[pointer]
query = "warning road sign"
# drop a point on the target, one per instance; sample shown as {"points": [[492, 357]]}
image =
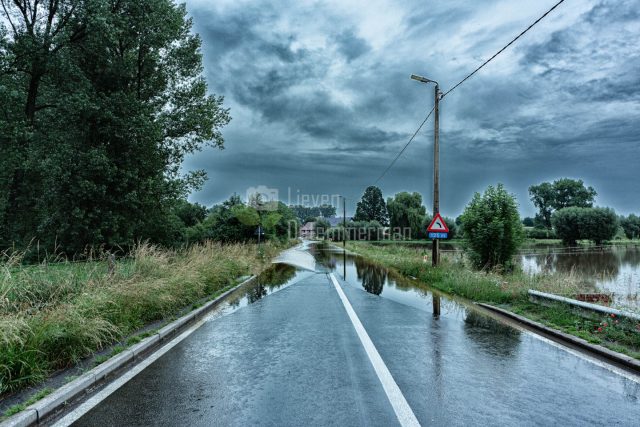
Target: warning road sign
{"points": [[438, 225]]}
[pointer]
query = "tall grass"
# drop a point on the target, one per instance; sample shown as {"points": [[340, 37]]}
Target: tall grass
{"points": [[456, 277], [52, 315]]}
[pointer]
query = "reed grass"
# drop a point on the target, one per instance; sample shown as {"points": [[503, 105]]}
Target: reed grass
{"points": [[54, 314]]}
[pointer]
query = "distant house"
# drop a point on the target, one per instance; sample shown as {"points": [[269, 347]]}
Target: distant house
{"points": [[308, 231]]}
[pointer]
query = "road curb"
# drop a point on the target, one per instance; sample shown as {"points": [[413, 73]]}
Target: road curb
{"points": [[619, 358], [35, 413]]}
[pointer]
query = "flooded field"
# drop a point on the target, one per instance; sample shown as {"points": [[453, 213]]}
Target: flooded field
{"points": [[613, 270]]}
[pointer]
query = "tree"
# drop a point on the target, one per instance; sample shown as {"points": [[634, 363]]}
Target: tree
{"points": [[572, 192], [372, 207], [406, 212], [542, 196], [306, 213], [631, 226], [105, 100], [596, 224], [528, 222], [322, 227], [492, 228], [562, 193], [566, 223]]}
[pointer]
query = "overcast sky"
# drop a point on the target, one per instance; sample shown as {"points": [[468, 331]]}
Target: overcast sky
{"points": [[321, 99]]}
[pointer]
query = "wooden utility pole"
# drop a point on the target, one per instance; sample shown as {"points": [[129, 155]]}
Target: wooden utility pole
{"points": [[435, 252], [344, 222]]}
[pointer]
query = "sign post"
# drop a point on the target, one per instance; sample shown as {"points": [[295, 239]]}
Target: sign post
{"points": [[437, 230]]}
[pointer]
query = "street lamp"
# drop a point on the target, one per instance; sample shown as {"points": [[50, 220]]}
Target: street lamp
{"points": [[435, 253]]}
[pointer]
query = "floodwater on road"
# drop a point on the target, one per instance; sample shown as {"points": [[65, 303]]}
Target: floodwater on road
{"points": [[284, 351]]}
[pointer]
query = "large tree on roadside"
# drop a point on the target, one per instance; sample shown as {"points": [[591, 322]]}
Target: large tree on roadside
{"points": [[562, 193], [372, 207], [120, 102]]}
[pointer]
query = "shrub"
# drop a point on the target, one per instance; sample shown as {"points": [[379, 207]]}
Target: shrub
{"points": [[492, 228], [596, 224], [540, 233], [631, 226]]}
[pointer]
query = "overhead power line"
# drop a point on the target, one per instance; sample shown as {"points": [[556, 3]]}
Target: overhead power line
{"points": [[404, 148], [504, 48]]}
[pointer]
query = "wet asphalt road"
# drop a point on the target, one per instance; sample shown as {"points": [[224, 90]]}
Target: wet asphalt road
{"points": [[292, 357]]}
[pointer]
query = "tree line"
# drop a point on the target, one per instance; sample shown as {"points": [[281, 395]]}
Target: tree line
{"points": [[102, 101], [566, 211]]}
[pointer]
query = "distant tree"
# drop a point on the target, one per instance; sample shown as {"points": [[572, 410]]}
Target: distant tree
{"points": [[631, 226], [543, 197], [566, 223], [322, 227], [190, 213], [562, 193], [364, 230], [406, 212], [572, 192], [372, 207], [453, 227], [596, 224], [528, 222], [492, 228], [305, 213], [327, 211]]}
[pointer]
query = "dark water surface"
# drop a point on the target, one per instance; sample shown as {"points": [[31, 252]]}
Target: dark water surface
{"points": [[614, 270]]}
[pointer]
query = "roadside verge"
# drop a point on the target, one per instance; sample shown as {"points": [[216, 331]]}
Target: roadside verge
{"points": [[75, 389], [625, 361]]}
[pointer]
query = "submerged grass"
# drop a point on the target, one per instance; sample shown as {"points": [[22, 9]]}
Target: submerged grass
{"points": [[52, 315], [509, 290]]}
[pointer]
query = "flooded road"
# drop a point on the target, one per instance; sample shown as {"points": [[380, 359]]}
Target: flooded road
{"points": [[285, 351]]}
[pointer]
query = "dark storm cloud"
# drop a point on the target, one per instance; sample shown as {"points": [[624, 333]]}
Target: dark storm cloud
{"points": [[350, 45], [322, 101]]}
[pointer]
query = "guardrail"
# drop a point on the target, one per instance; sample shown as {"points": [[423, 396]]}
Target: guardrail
{"points": [[584, 305]]}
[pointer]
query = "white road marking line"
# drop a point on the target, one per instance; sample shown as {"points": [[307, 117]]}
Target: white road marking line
{"points": [[400, 406], [85, 407]]}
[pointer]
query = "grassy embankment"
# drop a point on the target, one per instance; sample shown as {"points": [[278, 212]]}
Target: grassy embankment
{"points": [[53, 315], [508, 291]]}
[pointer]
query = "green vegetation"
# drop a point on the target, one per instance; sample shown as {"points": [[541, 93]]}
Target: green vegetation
{"points": [[310, 213], [233, 221], [406, 212], [508, 290], [372, 207], [562, 193], [53, 315], [492, 228], [621, 335], [631, 226], [101, 102], [596, 224], [33, 399]]}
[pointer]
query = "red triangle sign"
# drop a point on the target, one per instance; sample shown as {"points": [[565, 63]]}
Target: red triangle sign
{"points": [[438, 225]]}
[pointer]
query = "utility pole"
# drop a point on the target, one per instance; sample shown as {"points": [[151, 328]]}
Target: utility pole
{"points": [[344, 222], [435, 251]]}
